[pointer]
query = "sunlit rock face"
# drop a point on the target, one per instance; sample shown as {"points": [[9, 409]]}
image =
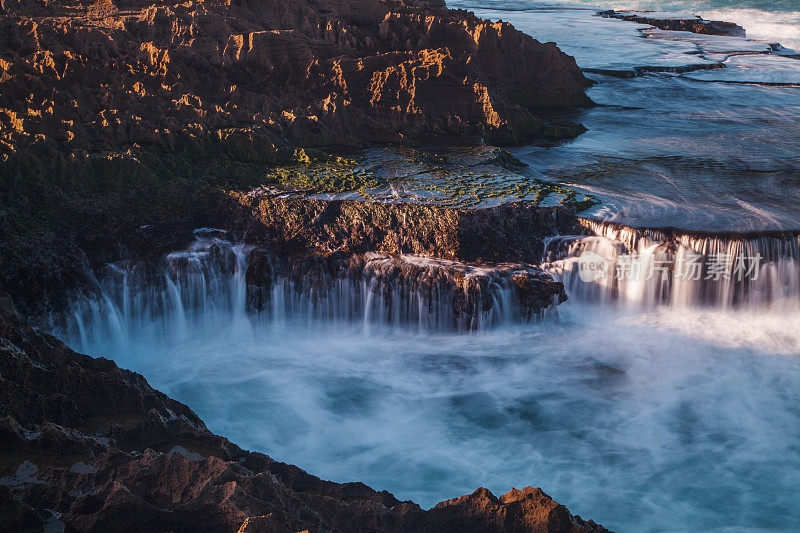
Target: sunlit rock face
{"points": [[244, 75], [508, 232]]}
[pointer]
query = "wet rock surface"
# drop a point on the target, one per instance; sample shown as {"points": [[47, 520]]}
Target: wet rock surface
{"points": [[449, 295], [678, 22], [508, 232], [89, 446]]}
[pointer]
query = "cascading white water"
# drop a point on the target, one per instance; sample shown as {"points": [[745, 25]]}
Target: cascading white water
{"points": [[646, 268], [205, 286], [654, 419]]}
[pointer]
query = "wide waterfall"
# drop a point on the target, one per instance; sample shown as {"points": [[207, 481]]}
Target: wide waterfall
{"points": [[643, 268], [216, 282], [360, 368]]}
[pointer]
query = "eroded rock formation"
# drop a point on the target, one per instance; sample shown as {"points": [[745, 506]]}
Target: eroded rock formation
{"points": [[508, 232], [441, 294], [104, 76], [120, 122], [119, 116], [90, 446]]}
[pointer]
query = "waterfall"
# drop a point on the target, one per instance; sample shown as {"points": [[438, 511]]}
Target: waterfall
{"points": [[215, 282], [643, 268]]}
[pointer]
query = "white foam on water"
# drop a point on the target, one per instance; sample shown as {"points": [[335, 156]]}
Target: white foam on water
{"points": [[663, 414], [649, 417], [643, 421], [772, 26]]}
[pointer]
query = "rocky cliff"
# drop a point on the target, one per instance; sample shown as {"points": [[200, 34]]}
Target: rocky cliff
{"points": [[122, 123], [118, 116], [81, 76]]}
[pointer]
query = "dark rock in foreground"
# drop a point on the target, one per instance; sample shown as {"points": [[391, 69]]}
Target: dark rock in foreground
{"points": [[93, 447], [691, 24]]}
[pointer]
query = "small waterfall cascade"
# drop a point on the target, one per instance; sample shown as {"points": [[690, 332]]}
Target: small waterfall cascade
{"points": [[215, 283], [644, 268]]}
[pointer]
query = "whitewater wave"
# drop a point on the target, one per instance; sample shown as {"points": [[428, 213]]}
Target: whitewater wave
{"points": [[781, 27], [771, 21]]}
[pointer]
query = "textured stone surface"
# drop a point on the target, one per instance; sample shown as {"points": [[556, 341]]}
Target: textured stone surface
{"points": [[120, 121], [508, 232], [464, 292], [102, 76], [95, 448]]}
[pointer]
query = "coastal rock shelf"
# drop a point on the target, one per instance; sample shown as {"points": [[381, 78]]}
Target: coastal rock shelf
{"points": [[314, 73], [643, 268], [292, 221], [678, 22], [214, 277], [118, 116], [507, 232]]}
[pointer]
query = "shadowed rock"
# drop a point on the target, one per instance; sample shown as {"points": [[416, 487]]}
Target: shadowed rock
{"points": [[406, 289]]}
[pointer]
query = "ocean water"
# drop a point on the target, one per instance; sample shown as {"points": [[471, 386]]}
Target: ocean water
{"points": [[643, 414], [690, 131], [774, 21], [664, 421]]}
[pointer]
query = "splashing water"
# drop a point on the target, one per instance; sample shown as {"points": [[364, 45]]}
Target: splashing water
{"points": [[648, 417], [205, 286], [642, 269]]}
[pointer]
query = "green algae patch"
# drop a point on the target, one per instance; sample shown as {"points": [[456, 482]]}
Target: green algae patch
{"points": [[337, 176], [456, 179]]}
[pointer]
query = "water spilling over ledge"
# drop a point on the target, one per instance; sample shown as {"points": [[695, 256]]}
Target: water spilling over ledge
{"points": [[335, 319], [275, 350], [215, 281], [643, 268]]}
